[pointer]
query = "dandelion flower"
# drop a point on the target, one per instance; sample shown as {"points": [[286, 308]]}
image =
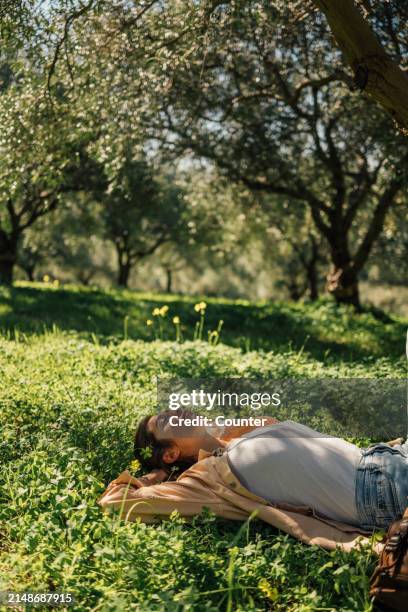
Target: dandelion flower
{"points": [[149, 322], [200, 307], [156, 312], [163, 310], [46, 278], [176, 320]]}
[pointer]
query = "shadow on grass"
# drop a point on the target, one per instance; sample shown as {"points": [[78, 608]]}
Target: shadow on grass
{"points": [[321, 329]]}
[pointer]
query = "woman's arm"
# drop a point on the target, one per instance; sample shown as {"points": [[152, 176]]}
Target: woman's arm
{"points": [[188, 496], [236, 431]]}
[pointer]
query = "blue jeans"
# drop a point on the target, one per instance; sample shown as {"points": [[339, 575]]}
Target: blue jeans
{"points": [[382, 485]]}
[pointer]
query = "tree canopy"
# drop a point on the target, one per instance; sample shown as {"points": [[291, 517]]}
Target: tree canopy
{"points": [[258, 91]]}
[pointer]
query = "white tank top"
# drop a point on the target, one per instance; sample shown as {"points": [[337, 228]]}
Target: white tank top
{"points": [[291, 463]]}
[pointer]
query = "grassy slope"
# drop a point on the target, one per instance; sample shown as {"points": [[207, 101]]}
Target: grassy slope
{"points": [[71, 390]]}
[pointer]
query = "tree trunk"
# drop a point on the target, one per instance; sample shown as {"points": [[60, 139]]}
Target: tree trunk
{"points": [[7, 263], [311, 270], [124, 266], [312, 279], [123, 275], [29, 270], [8, 257], [374, 72], [309, 265], [169, 280], [342, 283], [295, 291]]}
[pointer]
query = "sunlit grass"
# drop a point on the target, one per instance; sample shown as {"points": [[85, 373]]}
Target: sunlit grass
{"points": [[78, 370]]}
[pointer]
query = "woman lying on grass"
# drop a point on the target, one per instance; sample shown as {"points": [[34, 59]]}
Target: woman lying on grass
{"points": [[318, 488]]}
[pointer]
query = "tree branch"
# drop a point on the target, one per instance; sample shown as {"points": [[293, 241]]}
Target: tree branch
{"points": [[377, 222], [63, 40], [302, 194], [39, 211], [374, 71], [160, 240], [365, 182]]}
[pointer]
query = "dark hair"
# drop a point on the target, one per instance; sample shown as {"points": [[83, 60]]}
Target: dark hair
{"points": [[149, 451]]}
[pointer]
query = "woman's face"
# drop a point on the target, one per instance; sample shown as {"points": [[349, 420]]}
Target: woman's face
{"points": [[187, 439]]}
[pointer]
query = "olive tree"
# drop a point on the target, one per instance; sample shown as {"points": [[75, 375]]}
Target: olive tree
{"points": [[141, 212], [270, 106], [42, 159]]}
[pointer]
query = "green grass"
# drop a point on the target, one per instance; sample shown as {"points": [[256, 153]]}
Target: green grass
{"points": [[321, 328], [75, 378]]}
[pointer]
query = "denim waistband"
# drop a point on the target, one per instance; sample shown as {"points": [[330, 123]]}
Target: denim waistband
{"points": [[382, 485]]}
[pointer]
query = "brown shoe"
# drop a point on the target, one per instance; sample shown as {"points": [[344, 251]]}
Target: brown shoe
{"points": [[389, 582]]}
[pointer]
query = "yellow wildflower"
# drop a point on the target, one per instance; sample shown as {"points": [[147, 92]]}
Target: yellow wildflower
{"points": [[200, 306], [46, 278], [163, 310], [135, 465], [56, 283], [149, 322], [176, 320], [156, 312], [269, 591]]}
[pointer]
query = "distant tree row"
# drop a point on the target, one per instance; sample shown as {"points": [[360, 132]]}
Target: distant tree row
{"points": [[105, 106]]}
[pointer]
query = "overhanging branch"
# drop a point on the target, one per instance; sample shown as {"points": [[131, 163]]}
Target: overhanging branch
{"points": [[374, 71]]}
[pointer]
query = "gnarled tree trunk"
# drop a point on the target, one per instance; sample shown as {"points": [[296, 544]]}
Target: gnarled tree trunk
{"points": [[374, 72], [8, 257], [342, 283], [124, 267]]}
